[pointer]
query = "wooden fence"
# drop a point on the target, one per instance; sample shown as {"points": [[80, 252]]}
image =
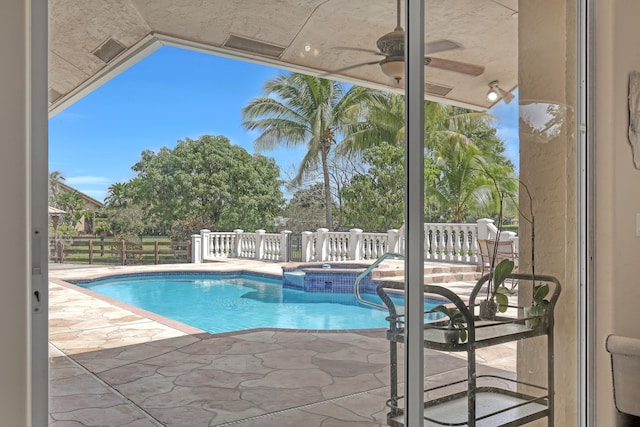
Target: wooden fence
{"points": [[88, 250]]}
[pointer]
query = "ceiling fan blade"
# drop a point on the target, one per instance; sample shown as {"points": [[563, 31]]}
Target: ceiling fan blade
{"points": [[360, 49], [350, 67], [455, 66], [440, 46]]}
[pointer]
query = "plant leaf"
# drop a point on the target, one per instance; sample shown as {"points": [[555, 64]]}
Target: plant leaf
{"points": [[503, 269], [463, 334], [441, 309], [502, 301], [540, 291], [504, 291]]}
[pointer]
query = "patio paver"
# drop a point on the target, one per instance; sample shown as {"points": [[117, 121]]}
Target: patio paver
{"points": [[115, 367]]}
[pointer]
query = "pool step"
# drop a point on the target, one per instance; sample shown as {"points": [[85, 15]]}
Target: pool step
{"points": [[436, 274]]}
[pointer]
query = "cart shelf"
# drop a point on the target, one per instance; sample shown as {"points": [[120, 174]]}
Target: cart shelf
{"points": [[478, 405]]}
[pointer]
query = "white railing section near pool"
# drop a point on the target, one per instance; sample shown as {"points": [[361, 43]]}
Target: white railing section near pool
{"points": [[442, 242]]}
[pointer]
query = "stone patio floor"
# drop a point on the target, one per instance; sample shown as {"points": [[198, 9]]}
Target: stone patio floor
{"points": [[115, 365]]}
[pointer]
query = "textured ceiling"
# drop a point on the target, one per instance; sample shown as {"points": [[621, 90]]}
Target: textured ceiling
{"points": [[318, 36]]}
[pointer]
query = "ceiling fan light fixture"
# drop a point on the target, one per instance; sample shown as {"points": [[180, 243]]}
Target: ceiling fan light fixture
{"points": [[496, 92], [394, 69], [492, 95]]}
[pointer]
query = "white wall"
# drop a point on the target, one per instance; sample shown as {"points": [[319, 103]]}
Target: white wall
{"points": [[617, 190], [14, 218]]}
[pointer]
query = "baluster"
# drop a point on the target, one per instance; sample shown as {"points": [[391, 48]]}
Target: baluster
{"points": [[265, 253], [274, 248], [215, 244], [366, 248], [435, 234], [439, 242], [449, 243], [428, 247], [254, 247], [243, 247], [457, 244], [465, 244], [345, 249], [268, 248]]}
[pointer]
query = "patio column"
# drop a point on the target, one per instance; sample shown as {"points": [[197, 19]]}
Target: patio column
{"points": [[284, 245], [205, 244], [393, 239], [355, 244], [547, 92], [307, 246], [322, 250], [259, 242], [196, 250]]}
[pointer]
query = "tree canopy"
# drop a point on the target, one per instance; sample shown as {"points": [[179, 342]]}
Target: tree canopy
{"points": [[466, 171], [206, 182], [298, 109]]}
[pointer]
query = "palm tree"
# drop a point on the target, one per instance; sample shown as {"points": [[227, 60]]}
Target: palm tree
{"points": [[55, 178], [118, 195], [73, 203], [460, 186], [305, 110], [465, 154]]}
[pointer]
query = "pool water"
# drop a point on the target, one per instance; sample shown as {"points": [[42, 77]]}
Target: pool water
{"points": [[225, 303]]}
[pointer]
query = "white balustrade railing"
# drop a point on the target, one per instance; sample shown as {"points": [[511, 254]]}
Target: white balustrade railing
{"points": [[442, 242]]}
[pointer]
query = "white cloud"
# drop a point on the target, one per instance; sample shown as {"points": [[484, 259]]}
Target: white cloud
{"points": [[87, 180]]}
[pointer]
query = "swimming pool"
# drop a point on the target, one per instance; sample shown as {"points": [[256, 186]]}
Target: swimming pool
{"points": [[231, 302]]}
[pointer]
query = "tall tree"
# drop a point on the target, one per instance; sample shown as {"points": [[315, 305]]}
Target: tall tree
{"points": [[55, 178], [305, 210], [374, 201], [118, 195], [461, 185], [465, 166], [73, 204], [304, 110], [207, 181]]}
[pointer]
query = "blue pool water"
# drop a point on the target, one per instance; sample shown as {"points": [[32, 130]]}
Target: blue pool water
{"points": [[225, 303]]}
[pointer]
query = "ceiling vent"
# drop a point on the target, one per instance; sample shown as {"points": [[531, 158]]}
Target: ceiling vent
{"points": [[253, 46], [109, 50], [436, 89], [54, 95]]}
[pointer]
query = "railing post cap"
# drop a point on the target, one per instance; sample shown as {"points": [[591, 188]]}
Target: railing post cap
{"points": [[286, 232], [238, 230], [195, 235], [205, 230], [355, 230], [260, 231], [322, 230], [307, 232]]}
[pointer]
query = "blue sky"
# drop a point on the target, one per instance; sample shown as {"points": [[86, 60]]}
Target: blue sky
{"points": [[171, 95]]}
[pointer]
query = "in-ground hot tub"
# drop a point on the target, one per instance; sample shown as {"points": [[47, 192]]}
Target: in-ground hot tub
{"points": [[326, 277]]}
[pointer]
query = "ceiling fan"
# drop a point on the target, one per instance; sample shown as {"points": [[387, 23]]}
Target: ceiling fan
{"points": [[391, 46]]}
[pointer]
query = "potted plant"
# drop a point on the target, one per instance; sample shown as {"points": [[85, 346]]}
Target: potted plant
{"points": [[497, 294], [456, 328], [538, 310]]}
